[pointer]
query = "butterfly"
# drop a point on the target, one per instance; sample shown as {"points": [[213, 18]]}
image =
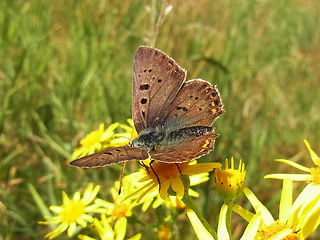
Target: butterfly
{"points": [[172, 116]]}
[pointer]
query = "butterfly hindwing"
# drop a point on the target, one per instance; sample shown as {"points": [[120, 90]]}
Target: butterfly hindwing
{"points": [[197, 103], [185, 151], [157, 79], [111, 156]]}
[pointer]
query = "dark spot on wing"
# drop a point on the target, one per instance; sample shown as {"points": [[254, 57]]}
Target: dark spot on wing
{"points": [[143, 100], [144, 87], [159, 80], [108, 153], [203, 86], [182, 108], [216, 101]]}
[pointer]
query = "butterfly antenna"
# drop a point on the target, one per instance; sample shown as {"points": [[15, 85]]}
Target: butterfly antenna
{"points": [[152, 161], [121, 176]]}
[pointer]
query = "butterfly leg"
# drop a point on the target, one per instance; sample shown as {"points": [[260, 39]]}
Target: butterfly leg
{"points": [[155, 174], [141, 163], [179, 168]]}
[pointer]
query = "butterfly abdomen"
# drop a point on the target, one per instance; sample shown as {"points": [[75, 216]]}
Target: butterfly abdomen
{"points": [[187, 133]]}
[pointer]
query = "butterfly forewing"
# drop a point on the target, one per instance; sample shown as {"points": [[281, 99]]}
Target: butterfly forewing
{"points": [[197, 103], [185, 151], [157, 79], [111, 156]]}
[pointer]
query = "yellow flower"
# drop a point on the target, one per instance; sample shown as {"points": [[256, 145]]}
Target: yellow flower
{"points": [[314, 173], [164, 233], [121, 206], [101, 138], [230, 181], [173, 202], [296, 221], [95, 141], [106, 232], [73, 211], [199, 229], [123, 138], [170, 176], [202, 232]]}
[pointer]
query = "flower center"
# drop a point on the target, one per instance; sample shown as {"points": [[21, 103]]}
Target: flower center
{"points": [[165, 171], [274, 228], [72, 210], [119, 210], [315, 172]]}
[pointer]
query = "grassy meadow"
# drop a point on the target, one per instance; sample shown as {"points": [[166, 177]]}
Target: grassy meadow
{"points": [[66, 67]]}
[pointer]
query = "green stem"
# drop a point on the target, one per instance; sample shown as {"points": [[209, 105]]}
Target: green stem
{"points": [[228, 217], [190, 204]]}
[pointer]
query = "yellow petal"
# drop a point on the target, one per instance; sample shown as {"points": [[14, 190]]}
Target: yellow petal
{"points": [[307, 195], [120, 228], [259, 207], [245, 214], [222, 226], [312, 221], [55, 209], [164, 189], [200, 168], [285, 201], [84, 237], [65, 197], [193, 193], [135, 237], [72, 229], [293, 177], [293, 164], [147, 191], [281, 234], [313, 155], [76, 196], [198, 178], [177, 186], [199, 229], [252, 228]]}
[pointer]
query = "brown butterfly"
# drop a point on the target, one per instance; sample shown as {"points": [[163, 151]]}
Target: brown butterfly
{"points": [[171, 116]]}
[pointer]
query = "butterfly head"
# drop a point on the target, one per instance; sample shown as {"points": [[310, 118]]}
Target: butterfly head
{"points": [[148, 140]]}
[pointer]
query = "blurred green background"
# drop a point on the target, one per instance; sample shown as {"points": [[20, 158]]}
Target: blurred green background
{"points": [[66, 66]]}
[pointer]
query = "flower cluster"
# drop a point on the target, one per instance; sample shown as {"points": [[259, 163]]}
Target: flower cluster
{"points": [[113, 136], [161, 184]]}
